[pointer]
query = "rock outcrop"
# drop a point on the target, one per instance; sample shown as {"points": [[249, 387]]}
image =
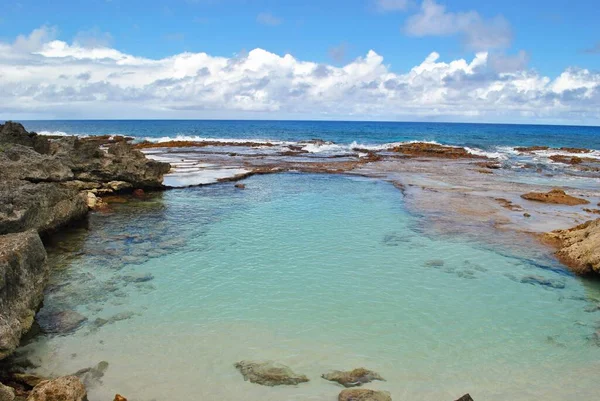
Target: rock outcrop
{"points": [[352, 378], [44, 185], [23, 274], [269, 373], [6, 393], [556, 196], [578, 247], [424, 149], [364, 395], [67, 388]]}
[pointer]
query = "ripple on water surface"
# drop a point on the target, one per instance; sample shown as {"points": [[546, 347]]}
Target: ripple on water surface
{"points": [[318, 273]]}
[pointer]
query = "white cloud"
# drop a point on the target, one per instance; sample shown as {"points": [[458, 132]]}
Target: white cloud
{"points": [[477, 32], [392, 5], [61, 80], [268, 19]]}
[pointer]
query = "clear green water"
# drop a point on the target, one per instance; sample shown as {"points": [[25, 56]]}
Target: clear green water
{"points": [[319, 273]]}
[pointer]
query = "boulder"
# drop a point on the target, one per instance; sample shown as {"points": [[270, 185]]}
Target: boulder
{"points": [[269, 373], [42, 207], [6, 393], [556, 196], [23, 275], [19, 162], [67, 388], [119, 397], [15, 133], [352, 378], [578, 247], [364, 395]]}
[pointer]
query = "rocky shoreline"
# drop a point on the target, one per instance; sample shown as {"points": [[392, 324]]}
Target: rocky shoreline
{"points": [[49, 183], [46, 184]]}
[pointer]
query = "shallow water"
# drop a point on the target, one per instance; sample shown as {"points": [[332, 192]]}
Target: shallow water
{"points": [[319, 273]]}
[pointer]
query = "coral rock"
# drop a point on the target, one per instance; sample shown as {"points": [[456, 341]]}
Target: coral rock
{"points": [[269, 373]]}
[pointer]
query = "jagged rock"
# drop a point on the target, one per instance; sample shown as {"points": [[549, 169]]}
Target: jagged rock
{"points": [[364, 395], [423, 149], [269, 373], [23, 275], [19, 162], [6, 393], [465, 397], [117, 186], [67, 388], [15, 133], [353, 378], [27, 378], [556, 196], [61, 322], [578, 247], [119, 397], [42, 207]]}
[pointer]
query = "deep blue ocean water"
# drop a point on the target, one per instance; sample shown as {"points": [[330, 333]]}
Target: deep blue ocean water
{"points": [[483, 136]]}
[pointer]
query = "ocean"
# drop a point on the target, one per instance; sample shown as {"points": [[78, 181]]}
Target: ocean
{"points": [[319, 272]]}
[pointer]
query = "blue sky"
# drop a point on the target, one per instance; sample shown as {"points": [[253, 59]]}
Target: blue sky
{"points": [[532, 40]]}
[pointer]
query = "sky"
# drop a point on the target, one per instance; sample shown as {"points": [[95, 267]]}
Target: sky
{"points": [[405, 60]]}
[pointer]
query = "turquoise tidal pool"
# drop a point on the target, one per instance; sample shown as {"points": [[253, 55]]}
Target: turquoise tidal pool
{"points": [[316, 272]]}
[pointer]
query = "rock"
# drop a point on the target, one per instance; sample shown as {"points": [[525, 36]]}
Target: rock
{"points": [[23, 275], [269, 373], [556, 196], [15, 133], [422, 149], [42, 207], [353, 378], [61, 322], [578, 247], [118, 185], [138, 193], [545, 282], [465, 397], [364, 395], [27, 378], [138, 278], [67, 388], [18, 162], [92, 200], [119, 397], [434, 263], [6, 393], [91, 376], [240, 186]]}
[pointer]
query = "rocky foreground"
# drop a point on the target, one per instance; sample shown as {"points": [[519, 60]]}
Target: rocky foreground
{"points": [[45, 184]]}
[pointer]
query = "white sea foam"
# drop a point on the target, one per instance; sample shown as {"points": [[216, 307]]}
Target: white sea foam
{"points": [[56, 133]]}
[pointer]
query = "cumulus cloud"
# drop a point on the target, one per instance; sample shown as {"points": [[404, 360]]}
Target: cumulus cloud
{"points": [[56, 79], [477, 32], [268, 19]]}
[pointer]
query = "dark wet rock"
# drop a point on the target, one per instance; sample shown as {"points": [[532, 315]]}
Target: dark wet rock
{"points": [[542, 281], [67, 388], [27, 379], [352, 378], [240, 186], [423, 149], [556, 196], [91, 376], [6, 393], [434, 263], [23, 275], [578, 247], [42, 206], [269, 373], [465, 397], [394, 239], [62, 322], [139, 193], [357, 394]]}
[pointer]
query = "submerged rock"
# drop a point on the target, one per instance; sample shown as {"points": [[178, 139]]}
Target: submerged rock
{"points": [[364, 395], [91, 376], [269, 373], [556, 196], [23, 275], [67, 388], [578, 247], [61, 322], [545, 282], [434, 263], [353, 378], [240, 186]]}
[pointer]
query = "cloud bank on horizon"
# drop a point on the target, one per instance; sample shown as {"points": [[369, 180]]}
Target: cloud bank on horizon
{"points": [[42, 77]]}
